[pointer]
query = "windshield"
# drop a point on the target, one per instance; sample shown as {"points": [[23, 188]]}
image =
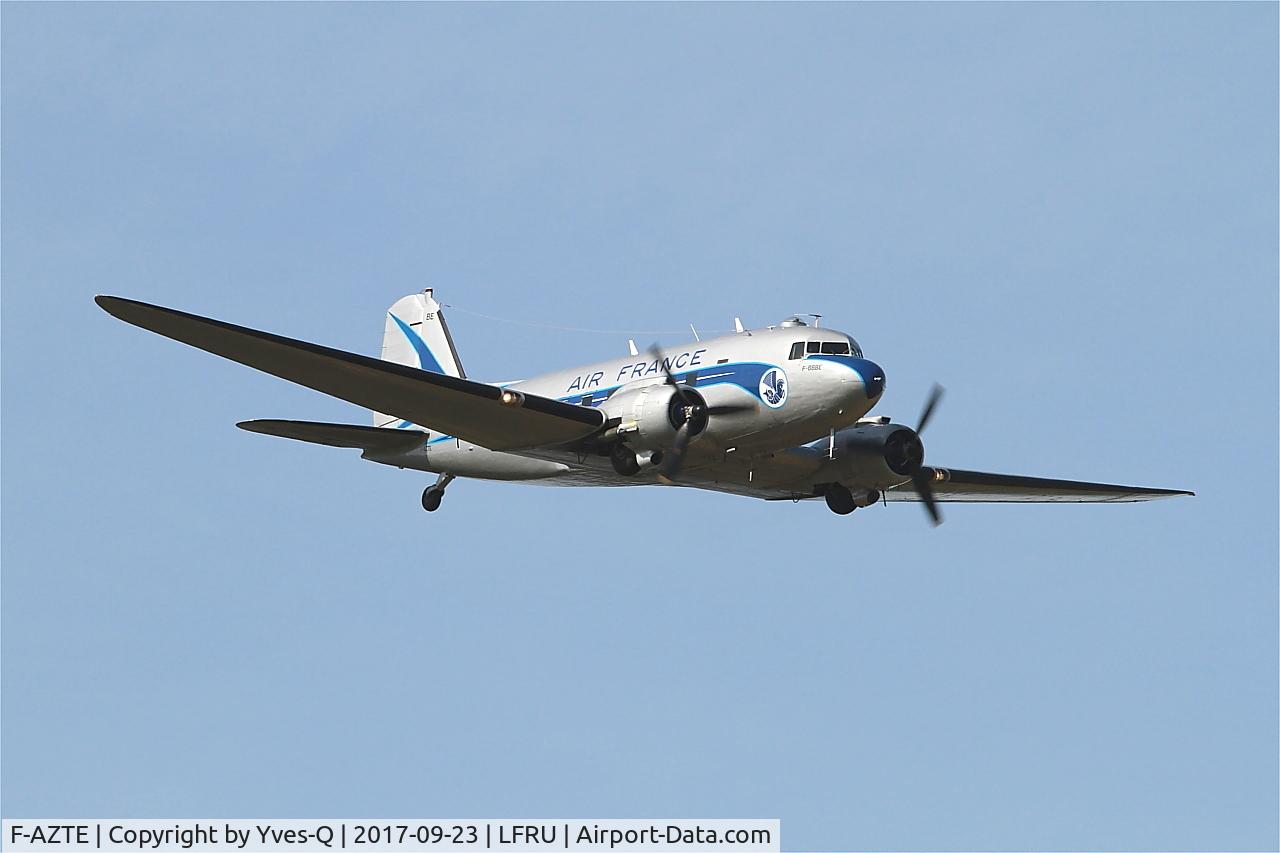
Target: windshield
{"points": [[847, 347]]}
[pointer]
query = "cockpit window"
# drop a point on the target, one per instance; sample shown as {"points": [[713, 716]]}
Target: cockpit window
{"points": [[847, 348]]}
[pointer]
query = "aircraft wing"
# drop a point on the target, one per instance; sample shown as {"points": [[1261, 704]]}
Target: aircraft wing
{"points": [[340, 435], [956, 486], [469, 410]]}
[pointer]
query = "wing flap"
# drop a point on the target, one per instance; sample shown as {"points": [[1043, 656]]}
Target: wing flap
{"points": [[469, 410], [958, 486]]}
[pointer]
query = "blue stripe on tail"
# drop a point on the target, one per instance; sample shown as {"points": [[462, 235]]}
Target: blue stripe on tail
{"points": [[426, 360]]}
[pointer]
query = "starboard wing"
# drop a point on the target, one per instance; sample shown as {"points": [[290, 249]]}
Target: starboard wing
{"points": [[954, 485]]}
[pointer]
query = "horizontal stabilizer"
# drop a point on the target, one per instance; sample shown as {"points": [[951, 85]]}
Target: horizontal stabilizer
{"points": [[340, 435], [471, 411]]}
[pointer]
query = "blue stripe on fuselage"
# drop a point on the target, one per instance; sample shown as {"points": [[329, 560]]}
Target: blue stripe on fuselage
{"points": [[746, 375]]}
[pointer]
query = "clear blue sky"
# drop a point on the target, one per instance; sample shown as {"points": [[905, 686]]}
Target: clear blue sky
{"points": [[1067, 214]]}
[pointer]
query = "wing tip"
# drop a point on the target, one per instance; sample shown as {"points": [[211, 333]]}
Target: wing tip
{"points": [[1166, 493], [264, 426], [116, 306]]}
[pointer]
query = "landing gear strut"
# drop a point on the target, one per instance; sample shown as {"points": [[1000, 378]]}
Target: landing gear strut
{"points": [[839, 499], [433, 494]]}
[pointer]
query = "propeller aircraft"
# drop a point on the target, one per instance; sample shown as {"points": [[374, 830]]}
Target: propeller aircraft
{"points": [[779, 413]]}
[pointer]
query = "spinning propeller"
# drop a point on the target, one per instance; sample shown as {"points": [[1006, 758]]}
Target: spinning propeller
{"points": [[695, 414], [913, 459]]}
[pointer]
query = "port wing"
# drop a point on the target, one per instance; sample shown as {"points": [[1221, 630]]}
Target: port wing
{"points": [[472, 411]]}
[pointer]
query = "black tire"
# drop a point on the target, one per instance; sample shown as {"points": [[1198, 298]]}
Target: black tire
{"points": [[624, 460], [839, 499], [431, 499]]}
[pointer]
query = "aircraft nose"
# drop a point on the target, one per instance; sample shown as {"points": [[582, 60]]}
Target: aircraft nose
{"points": [[872, 378]]}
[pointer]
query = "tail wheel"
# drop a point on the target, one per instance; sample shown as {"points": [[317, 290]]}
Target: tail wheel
{"points": [[431, 498], [435, 492]]}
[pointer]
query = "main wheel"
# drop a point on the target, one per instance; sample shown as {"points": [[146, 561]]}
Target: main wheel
{"points": [[624, 460], [839, 499], [431, 498]]}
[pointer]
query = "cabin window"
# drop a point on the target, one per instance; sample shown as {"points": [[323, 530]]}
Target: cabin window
{"points": [[797, 350], [586, 400]]}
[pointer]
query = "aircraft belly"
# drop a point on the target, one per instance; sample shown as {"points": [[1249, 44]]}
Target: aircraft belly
{"points": [[469, 460], [764, 475], [789, 473]]}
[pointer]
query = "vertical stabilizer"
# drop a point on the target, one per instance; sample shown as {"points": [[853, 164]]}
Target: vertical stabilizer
{"points": [[415, 334]]}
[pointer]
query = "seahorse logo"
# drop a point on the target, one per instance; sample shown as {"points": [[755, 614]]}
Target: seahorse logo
{"points": [[773, 388]]}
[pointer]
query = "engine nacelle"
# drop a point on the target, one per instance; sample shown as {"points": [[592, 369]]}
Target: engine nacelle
{"points": [[879, 455], [650, 415]]}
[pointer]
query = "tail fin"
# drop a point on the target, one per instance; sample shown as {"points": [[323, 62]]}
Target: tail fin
{"points": [[416, 335]]}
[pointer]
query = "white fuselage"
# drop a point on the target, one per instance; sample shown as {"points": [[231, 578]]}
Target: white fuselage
{"points": [[780, 402]]}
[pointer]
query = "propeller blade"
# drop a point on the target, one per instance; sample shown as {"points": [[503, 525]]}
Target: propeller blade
{"points": [[675, 456], [922, 480], [694, 408], [934, 396], [671, 379]]}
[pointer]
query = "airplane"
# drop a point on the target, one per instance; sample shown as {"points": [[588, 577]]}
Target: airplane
{"points": [[779, 413]]}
